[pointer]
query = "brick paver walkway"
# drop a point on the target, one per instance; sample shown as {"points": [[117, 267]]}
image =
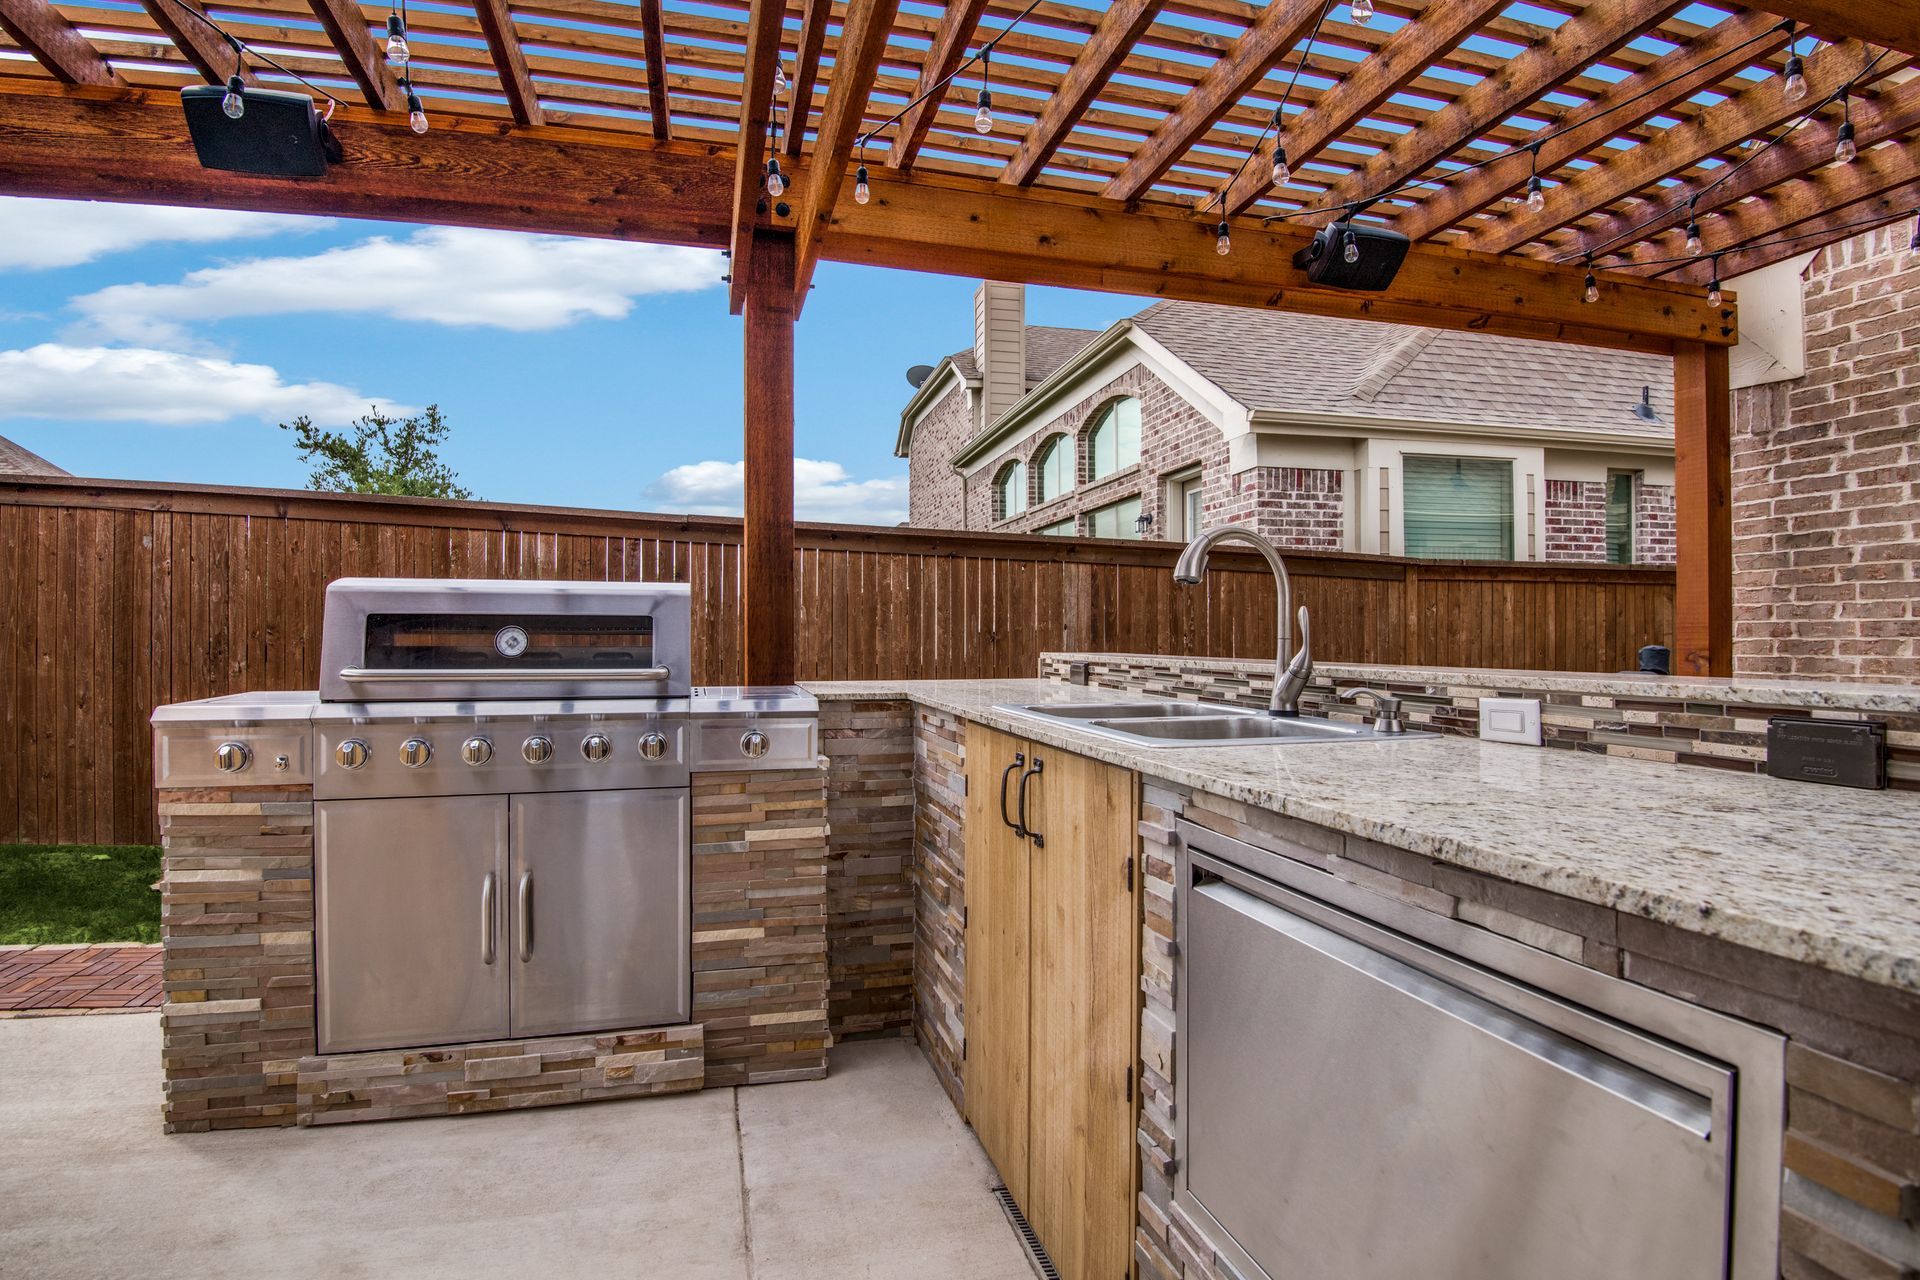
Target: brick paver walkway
{"points": [[79, 977]]}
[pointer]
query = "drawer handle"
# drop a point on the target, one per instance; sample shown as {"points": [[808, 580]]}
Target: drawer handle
{"points": [[1019, 760], [526, 917], [486, 919], [1039, 841]]}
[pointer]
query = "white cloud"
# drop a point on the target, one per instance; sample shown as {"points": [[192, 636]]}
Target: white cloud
{"points": [[442, 275], [37, 234], [137, 384], [822, 491]]}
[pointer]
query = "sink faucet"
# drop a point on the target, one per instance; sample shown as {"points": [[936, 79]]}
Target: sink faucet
{"points": [[1290, 671]]}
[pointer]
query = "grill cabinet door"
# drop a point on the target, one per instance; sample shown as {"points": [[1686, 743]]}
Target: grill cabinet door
{"points": [[599, 909], [410, 903]]}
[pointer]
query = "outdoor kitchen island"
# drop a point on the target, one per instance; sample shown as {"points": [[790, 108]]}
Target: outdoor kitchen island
{"points": [[1765, 932]]}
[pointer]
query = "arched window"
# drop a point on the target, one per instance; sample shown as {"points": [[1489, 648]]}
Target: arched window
{"points": [[1054, 465], [1010, 490], [1114, 442]]}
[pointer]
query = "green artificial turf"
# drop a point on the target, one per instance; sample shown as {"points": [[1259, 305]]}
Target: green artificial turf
{"points": [[78, 893]]}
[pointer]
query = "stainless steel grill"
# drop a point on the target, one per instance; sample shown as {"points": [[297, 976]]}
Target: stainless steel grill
{"points": [[501, 776]]}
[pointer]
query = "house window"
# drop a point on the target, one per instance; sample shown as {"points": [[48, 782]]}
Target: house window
{"points": [[1114, 442], [1010, 491], [1458, 508], [1059, 529], [1620, 517], [1116, 519], [1054, 465]]}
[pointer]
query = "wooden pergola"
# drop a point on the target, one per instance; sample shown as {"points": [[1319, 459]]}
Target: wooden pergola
{"points": [[1123, 134]]}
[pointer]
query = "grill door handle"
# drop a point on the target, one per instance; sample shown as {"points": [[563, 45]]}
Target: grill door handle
{"points": [[1019, 760], [526, 916], [413, 675], [486, 919], [1039, 841]]}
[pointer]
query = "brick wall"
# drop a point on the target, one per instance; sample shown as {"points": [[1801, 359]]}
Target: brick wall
{"points": [[1293, 506], [936, 493], [1577, 520], [1653, 529], [1826, 488]]}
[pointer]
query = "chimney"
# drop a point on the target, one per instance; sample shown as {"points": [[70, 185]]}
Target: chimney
{"points": [[1000, 347]]}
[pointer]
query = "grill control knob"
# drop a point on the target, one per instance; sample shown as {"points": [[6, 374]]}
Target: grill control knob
{"points": [[653, 746], [596, 746], [476, 751], [415, 752], [232, 757], [537, 750], [351, 754], [753, 744]]}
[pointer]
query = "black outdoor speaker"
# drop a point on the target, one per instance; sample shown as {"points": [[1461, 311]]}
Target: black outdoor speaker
{"points": [[280, 135], [1379, 253]]}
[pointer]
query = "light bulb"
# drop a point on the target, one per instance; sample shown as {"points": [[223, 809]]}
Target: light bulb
{"points": [[861, 191], [776, 181], [1593, 289], [1362, 11], [397, 51], [1282, 171], [1714, 296], [780, 82], [1796, 79], [1694, 244], [1536, 195], [1223, 242], [1844, 149], [416, 114], [233, 104], [1352, 250], [983, 118]]}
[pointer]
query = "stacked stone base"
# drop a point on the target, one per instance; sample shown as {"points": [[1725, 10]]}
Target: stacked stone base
{"points": [[499, 1075]]}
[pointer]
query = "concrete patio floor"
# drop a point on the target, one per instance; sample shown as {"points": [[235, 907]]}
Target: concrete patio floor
{"points": [[866, 1174]]}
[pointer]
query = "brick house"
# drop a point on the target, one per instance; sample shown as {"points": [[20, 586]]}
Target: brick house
{"points": [[1321, 433]]}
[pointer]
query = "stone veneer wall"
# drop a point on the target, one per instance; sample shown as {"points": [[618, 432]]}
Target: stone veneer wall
{"points": [[869, 750], [237, 1027], [1851, 1193], [939, 874], [1664, 730], [1826, 480]]}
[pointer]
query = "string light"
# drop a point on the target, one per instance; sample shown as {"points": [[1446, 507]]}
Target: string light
{"points": [[1593, 285], [1796, 79], [397, 51], [1536, 189], [1844, 149], [1714, 296], [416, 114], [1282, 171], [1362, 11], [861, 191], [780, 82], [1351, 249], [1695, 245], [234, 104], [1223, 239], [777, 181], [983, 118]]}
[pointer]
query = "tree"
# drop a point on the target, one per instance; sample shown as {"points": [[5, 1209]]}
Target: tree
{"points": [[383, 455]]}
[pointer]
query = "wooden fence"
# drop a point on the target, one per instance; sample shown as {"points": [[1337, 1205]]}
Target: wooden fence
{"points": [[116, 597]]}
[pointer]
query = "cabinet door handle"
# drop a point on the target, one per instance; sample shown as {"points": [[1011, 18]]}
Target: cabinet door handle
{"points": [[526, 917], [1039, 841], [486, 919], [1019, 760]]}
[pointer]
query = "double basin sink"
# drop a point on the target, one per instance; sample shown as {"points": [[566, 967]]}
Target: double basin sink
{"points": [[1198, 724]]}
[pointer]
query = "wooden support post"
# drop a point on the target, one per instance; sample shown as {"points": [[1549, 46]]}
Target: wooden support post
{"points": [[769, 609], [1703, 512]]}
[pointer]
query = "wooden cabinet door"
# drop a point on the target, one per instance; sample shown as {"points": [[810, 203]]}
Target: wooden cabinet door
{"points": [[997, 972], [1084, 937]]}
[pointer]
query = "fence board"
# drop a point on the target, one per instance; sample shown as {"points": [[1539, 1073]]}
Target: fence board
{"points": [[121, 596]]}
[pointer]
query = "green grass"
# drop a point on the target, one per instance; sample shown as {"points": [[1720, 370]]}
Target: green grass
{"points": [[78, 893]]}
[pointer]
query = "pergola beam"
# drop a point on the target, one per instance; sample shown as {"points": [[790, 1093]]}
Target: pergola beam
{"points": [[131, 145], [1105, 50], [1598, 30], [863, 38], [209, 52], [943, 59], [653, 47], [806, 72], [346, 28], [1280, 26], [765, 21], [1893, 23], [55, 43], [1715, 130], [1383, 73], [1741, 39], [503, 42]]}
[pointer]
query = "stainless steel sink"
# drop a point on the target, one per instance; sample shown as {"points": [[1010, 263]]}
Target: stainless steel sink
{"points": [[1199, 724]]}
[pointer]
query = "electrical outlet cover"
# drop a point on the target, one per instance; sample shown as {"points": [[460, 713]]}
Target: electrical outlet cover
{"points": [[1510, 720]]}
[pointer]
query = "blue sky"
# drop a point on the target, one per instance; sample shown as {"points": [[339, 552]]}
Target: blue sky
{"points": [[165, 344]]}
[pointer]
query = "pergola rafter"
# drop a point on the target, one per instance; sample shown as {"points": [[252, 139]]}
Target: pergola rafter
{"points": [[654, 49], [948, 51], [806, 72], [366, 62], [56, 44], [1107, 48], [197, 40], [503, 42]]}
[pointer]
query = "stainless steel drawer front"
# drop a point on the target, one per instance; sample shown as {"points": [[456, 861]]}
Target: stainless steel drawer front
{"points": [[1349, 1114]]}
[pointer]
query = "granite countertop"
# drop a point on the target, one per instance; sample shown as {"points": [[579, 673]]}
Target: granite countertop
{"points": [[1829, 876]]}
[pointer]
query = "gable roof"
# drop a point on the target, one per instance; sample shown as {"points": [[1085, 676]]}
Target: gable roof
{"points": [[1284, 362], [17, 461]]}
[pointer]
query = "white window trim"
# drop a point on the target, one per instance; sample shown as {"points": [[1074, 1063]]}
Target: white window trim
{"points": [[1383, 475]]}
